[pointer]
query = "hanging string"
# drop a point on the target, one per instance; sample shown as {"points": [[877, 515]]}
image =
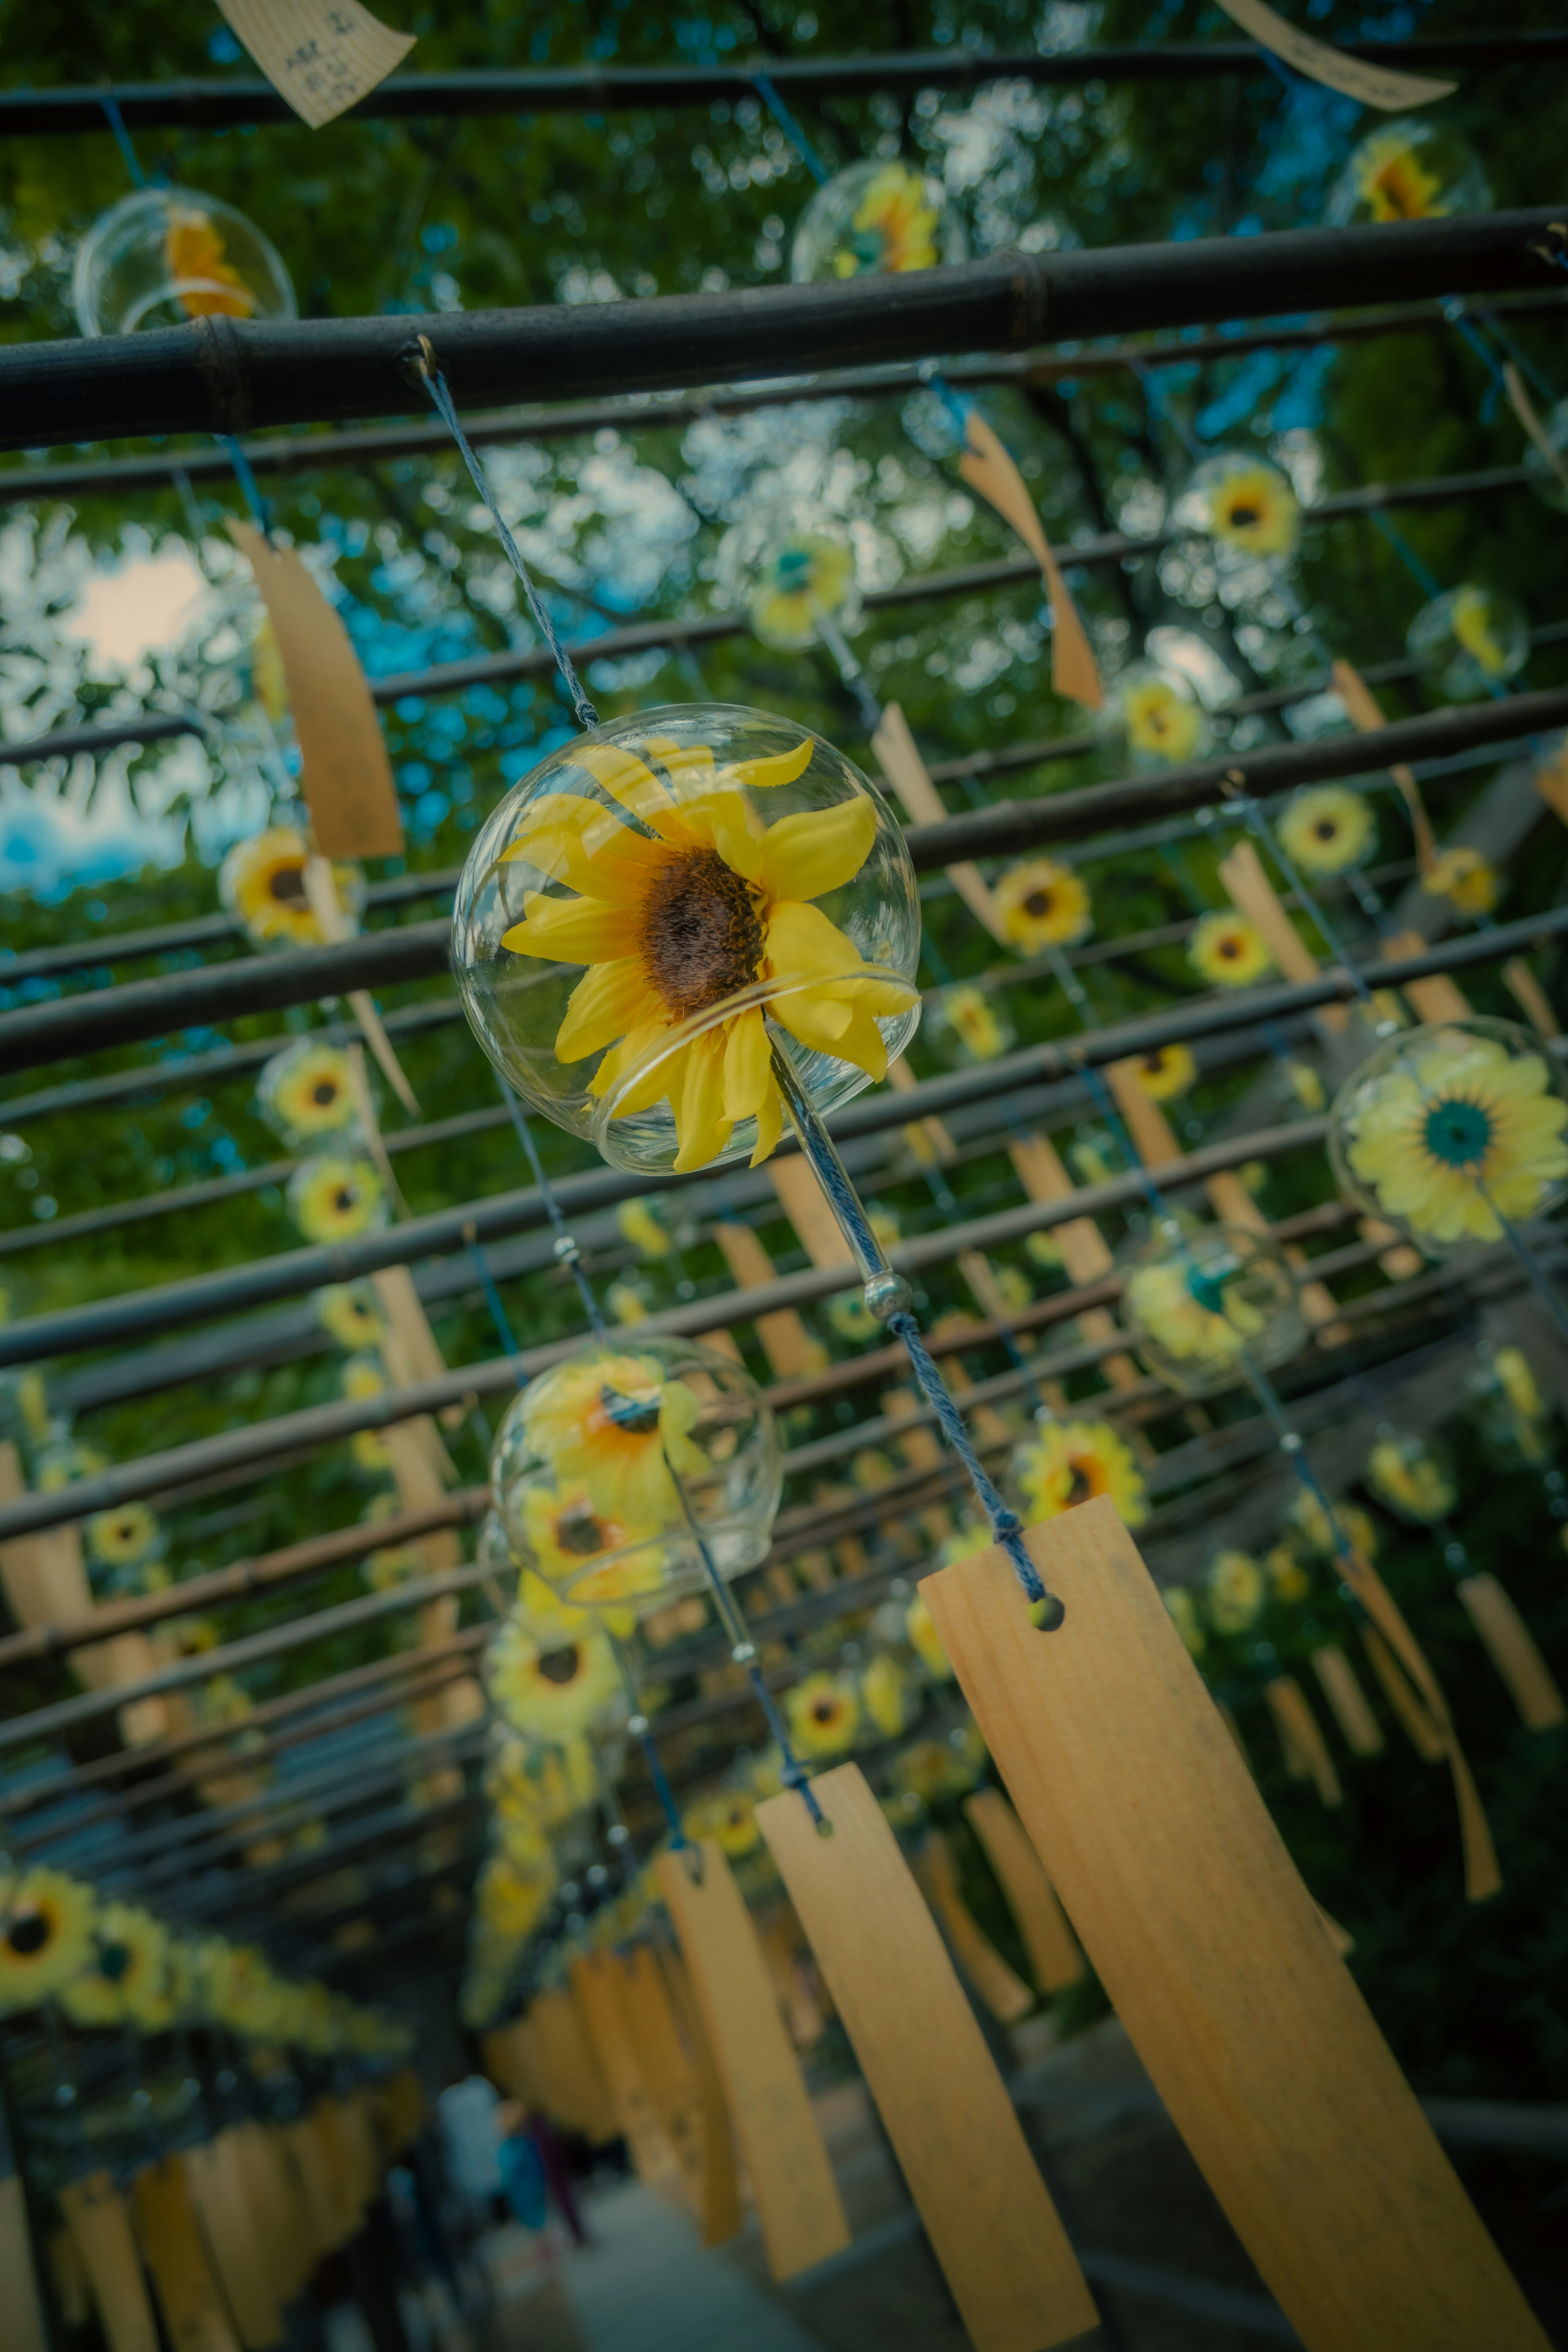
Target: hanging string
{"points": [[423, 363], [567, 1251], [764, 85], [128, 156]]}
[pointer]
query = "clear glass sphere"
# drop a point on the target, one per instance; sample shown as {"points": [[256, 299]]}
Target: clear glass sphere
{"points": [[165, 255], [1411, 1475], [602, 1463], [1411, 169], [551, 1690], [1512, 1415], [1153, 716], [1550, 482], [872, 219], [745, 892], [1248, 507], [789, 571], [1467, 641], [261, 886], [309, 1091], [1199, 1301], [336, 1196], [1447, 1130]]}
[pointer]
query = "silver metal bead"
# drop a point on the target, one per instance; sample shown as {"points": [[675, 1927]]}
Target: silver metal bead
{"points": [[887, 1295], [566, 1251], [744, 1653], [637, 1727]]}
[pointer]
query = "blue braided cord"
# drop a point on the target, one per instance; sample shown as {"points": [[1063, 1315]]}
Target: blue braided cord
{"points": [[111, 106], [552, 1209], [436, 384], [260, 511], [1515, 350], [1426, 581], [1005, 1525], [493, 1301], [764, 85]]}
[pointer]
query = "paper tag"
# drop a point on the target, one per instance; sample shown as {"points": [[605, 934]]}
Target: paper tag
{"points": [[319, 55], [1367, 717], [1054, 1957], [1380, 86], [101, 2225], [188, 2296], [987, 466], [346, 776], [1211, 1950], [955, 2132], [899, 756]]}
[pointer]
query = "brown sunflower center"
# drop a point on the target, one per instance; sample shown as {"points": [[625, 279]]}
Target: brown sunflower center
{"points": [[1082, 1484], [701, 935], [823, 1710], [561, 1666], [114, 1961], [1244, 518], [1038, 904], [345, 1198], [287, 885], [325, 1091], [27, 1936], [1230, 946], [1154, 1062], [577, 1531]]}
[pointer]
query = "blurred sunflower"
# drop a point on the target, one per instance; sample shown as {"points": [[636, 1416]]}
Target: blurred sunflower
{"points": [[1234, 1592], [551, 1694], [807, 575], [1305, 1083], [1407, 1474], [885, 1694], [1042, 905], [823, 1713], [308, 1090], [708, 900], [335, 1199], [351, 1312], [1310, 1521], [124, 1536], [1160, 1298], [731, 1821], [1470, 617], [207, 283], [629, 1301], [613, 1424], [642, 1226], [564, 1534], [1168, 1071], [1327, 828], [893, 228], [1183, 1610], [45, 1934], [1161, 721], [127, 1972], [851, 1318], [920, 1627], [1287, 1579], [1226, 950], [1255, 508], [1068, 1462], [1391, 180], [1463, 1134], [1516, 1377], [971, 1015], [262, 884], [1467, 880]]}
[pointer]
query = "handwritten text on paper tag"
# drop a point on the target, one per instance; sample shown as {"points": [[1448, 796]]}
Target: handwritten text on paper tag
{"points": [[319, 55]]}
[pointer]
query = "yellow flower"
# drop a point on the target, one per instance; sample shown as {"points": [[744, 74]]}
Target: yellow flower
{"points": [[851, 1318], [1234, 1590], [1255, 508], [512, 1900], [1391, 180], [1466, 878], [127, 1972], [807, 575], [1469, 617], [566, 1534], [352, 1313], [551, 1694], [308, 1090], [1326, 828], [730, 1820], [629, 1302], [1042, 905], [208, 285], [972, 1016], [823, 1713], [1287, 1579], [642, 1226], [1160, 1298], [920, 1627], [1305, 1083], [1403, 1473], [615, 1425], [968, 1539], [1516, 1377], [1069, 1463], [1160, 721], [262, 884], [1226, 950], [1183, 1611], [362, 1376], [120, 1538], [1168, 1071], [45, 1934], [681, 911], [335, 1199], [884, 1694], [1311, 1523], [1457, 1134], [894, 228]]}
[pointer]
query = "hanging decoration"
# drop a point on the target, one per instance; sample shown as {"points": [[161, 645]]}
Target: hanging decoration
{"points": [[161, 257], [261, 886], [875, 219], [1469, 642], [1409, 170], [1153, 718]]}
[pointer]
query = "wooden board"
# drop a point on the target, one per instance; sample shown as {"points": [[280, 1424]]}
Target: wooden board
{"points": [[798, 2204], [808, 1207], [1055, 1958], [576, 2088], [1435, 998], [21, 2311], [98, 2221], [594, 1984], [669, 2074], [955, 2130], [1211, 1949], [231, 2230], [1348, 1703], [195, 2313], [719, 2208], [793, 1352], [1002, 1990], [1253, 897], [1512, 1647], [899, 756]]}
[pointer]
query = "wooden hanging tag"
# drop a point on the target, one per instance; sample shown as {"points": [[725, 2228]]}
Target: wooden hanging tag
{"points": [[779, 1934], [1435, 998], [321, 896], [793, 1353], [1054, 1957], [987, 466], [809, 1211], [718, 2202], [899, 756], [1307, 1756], [594, 1983], [955, 2130], [273, 2187], [1348, 1703], [1367, 717], [798, 2204], [305, 2156], [1523, 407], [345, 775], [1086, 1253], [927, 1139], [231, 2229], [510, 2064], [1210, 1948], [1253, 896], [321, 56], [98, 2221], [1002, 1990], [1531, 997], [1414, 1717], [189, 2297], [1374, 85], [667, 2069], [579, 2095], [1512, 1647], [22, 2326]]}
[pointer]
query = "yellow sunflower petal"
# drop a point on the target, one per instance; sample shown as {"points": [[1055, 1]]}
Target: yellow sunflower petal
{"points": [[803, 944], [701, 1128], [568, 931], [726, 821], [575, 841], [666, 1077], [605, 1005], [780, 768], [748, 1064], [808, 855], [770, 1126], [625, 777]]}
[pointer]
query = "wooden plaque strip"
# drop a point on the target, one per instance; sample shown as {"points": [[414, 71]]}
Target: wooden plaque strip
{"points": [[719, 2208], [1512, 1647], [21, 2310], [594, 1982], [100, 2224], [1002, 1990], [669, 2074], [798, 2204], [194, 2312], [230, 2227], [1348, 1703], [1210, 1948], [1054, 1957], [955, 2130]]}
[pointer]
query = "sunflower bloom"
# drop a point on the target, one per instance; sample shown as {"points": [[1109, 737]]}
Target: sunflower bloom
{"points": [[565, 1536], [551, 1694], [1227, 951], [1235, 1590], [1160, 721], [45, 1934], [1392, 182], [970, 1015], [808, 574], [615, 1424], [1165, 1073], [351, 1312], [1312, 1523], [1183, 1611], [123, 1538], [1327, 828], [336, 1198], [127, 1974], [1467, 880], [1255, 508], [1406, 1474], [1162, 1301], [208, 285], [894, 228], [1069, 1463], [308, 1090], [1470, 619], [1516, 1377], [642, 1226], [1458, 1135], [1287, 1579], [708, 900], [262, 884], [885, 1694], [823, 1713], [1042, 904], [731, 1821]]}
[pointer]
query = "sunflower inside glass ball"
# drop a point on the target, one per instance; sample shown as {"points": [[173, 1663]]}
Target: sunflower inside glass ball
{"points": [[308, 1090], [334, 1197], [874, 218], [1246, 506], [1155, 715], [1468, 641], [971, 1024], [1328, 829], [1413, 1475], [1449, 1130], [729, 877], [164, 255], [261, 885], [1042, 904], [604, 1463], [1201, 1305], [790, 571], [552, 1693], [1411, 169]]}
